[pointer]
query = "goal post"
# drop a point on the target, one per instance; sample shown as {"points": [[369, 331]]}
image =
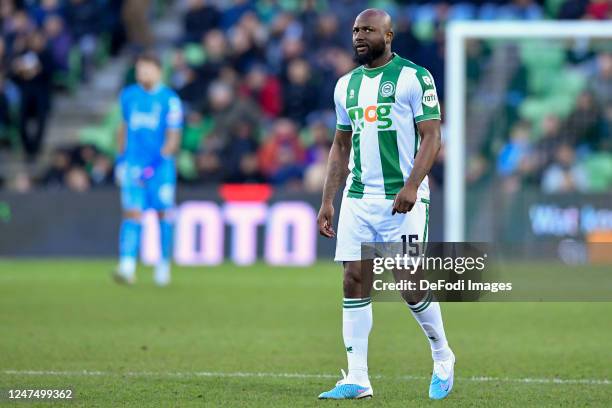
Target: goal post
{"points": [[457, 34]]}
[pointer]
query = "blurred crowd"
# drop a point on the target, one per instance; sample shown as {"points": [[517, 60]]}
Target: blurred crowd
{"points": [[257, 78], [258, 87], [47, 45]]}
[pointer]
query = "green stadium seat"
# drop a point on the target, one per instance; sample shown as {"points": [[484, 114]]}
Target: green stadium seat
{"points": [[289, 5], [553, 7], [536, 54], [423, 30], [71, 79], [194, 134], [185, 164], [103, 136], [533, 109], [9, 135], [599, 169], [573, 83], [194, 54], [103, 46]]}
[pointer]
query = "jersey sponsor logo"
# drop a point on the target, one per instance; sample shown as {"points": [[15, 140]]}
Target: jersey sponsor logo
{"points": [[430, 98], [387, 89], [352, 94], [379, 114], [145, 120], [427, 80]]}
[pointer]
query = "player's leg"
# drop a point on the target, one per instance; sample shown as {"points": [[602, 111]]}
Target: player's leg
{"points": [[162, 188], [166, 234], [357, 318], [132, 202], [353, 230], [422, 305]]}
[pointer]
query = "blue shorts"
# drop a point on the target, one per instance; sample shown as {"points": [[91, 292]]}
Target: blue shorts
{"points": [[157, 193]]}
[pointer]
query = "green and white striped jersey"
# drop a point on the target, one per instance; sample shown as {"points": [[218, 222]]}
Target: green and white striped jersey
{"points": [[381, 106]]}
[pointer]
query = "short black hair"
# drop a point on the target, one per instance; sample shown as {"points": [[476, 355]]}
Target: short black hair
{"points": [[149, 56]]}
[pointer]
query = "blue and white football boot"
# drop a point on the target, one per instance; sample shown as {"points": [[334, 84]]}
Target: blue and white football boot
{"points": [[346, 390], [442, 378]]}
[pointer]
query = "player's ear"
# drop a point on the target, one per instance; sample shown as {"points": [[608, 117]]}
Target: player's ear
{"points": [[389, 37]]}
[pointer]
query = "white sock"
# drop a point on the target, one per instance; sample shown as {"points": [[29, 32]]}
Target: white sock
{"points": [[127, 266], [162, 273], [428, 314], [356, 326]]}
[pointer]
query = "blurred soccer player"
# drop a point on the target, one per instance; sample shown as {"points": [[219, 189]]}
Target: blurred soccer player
{"points": [[387, 138], [147, 141]]}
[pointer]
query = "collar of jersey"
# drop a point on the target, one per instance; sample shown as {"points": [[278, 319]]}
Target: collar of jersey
{"points": [[371, 72], [152, 91]]}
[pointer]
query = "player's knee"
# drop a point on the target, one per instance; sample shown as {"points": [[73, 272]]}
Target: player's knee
{"points": [[134, 215], [352, 278], [412, 297], [166, 215]]}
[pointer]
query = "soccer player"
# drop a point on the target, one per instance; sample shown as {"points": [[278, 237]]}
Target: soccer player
{"points": [[147, 140], [387, 137]]}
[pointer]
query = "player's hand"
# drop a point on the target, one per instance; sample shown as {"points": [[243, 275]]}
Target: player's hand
{"points": [[404, 200], [325, 220], [120, 170]]}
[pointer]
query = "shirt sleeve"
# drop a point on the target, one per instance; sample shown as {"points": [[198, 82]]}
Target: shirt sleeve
{"points": [[174, 117], [343, 121], [423, 98]]}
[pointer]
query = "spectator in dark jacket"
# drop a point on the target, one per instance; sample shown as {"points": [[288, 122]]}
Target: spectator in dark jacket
{"points": [[32, 69], [201, 17], [299, 93], [59, 41], [83, 18]]}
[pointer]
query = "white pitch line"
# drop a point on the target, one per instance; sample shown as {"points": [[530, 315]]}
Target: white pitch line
{"points": [[87, 373]]}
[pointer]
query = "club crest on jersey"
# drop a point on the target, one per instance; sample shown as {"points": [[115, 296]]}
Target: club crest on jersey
{"points": [[387, 89]]}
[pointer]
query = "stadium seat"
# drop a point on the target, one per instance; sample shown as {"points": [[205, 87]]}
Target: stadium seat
{"points": [[553, 6], [423, 30], [599, 169], [103, 136], [70, 80], [194, 134], [185, 164], [194, 54], [103, 46]]}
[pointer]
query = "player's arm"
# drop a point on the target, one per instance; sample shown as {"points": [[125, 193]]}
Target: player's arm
{"points": [[122, 130], [337, 162], [121, 136], [424, 160], [337, 171], [174, 120], [172, 144], [423, 99]]}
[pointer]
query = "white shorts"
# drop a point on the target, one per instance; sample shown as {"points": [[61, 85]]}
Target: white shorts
{"points": [[369, 220]]}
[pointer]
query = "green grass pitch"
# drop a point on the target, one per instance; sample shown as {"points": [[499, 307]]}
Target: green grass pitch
{"points": [[263, 336]]}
